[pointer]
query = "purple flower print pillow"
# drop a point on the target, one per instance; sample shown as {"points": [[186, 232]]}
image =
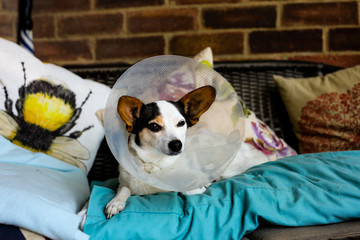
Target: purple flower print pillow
{"points": [[266, 141]]}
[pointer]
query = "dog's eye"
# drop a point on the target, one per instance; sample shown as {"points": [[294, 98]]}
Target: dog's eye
{"points": [[154, 127], [181, 123]]}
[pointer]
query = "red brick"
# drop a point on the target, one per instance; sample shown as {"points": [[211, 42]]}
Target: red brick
{"points": [[343, 39], [286, 41], [44, 27], [326, 14], [126, 3], [90, 24], [10, 5], [7, 24], [66, 50], [165, 20], [46, 6], [345, 60], [245, 17], [221, 43], [180, 2], [129, 47]]}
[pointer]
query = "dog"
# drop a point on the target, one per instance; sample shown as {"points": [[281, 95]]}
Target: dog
{"points": [[157, 137]]}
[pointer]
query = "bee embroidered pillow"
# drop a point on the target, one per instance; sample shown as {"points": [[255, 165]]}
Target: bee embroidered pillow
{"points": [[46, 108]]}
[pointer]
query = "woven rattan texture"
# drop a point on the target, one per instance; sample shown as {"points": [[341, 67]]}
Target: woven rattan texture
{"points": [[253, 81]]}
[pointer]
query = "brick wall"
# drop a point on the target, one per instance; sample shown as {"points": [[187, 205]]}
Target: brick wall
{"points": [[103, 31], [8, 19]]}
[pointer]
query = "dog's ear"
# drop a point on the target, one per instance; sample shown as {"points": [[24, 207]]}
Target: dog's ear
{"points": [[197, 102], [129, 110]]}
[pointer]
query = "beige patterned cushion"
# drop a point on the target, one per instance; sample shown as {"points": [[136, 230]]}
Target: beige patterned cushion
{"points": [[324, 111]]}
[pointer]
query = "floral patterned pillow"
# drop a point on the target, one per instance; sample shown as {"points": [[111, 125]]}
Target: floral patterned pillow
{"points": [[263, 138], [324, 110]]}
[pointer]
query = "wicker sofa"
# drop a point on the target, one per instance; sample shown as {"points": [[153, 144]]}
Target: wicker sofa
{"points": [[254, 83]]}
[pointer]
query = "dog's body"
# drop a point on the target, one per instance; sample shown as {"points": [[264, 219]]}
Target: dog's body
{"points": [[158, 132]]}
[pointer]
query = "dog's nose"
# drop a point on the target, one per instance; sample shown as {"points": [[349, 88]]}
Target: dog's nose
{"points": [[175, 145]]}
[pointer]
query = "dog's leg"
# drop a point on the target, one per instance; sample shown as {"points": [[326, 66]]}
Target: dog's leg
{"points": [[117, 204]]}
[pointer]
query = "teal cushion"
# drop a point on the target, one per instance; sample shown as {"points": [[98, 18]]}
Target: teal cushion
{"points": [[294, 191]]}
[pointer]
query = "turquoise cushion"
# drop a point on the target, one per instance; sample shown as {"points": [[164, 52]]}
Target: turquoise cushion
{"points": [[294, 191]]}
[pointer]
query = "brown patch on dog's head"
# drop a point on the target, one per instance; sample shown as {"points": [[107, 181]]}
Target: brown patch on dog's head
{"points": [[158, 120], [198, 102], [129, 110]]}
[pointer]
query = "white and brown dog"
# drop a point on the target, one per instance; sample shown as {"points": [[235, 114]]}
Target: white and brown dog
{"points": [[157, 137]]}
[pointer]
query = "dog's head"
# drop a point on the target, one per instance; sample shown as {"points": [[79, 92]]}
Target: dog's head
{"points": [[162, 125]]}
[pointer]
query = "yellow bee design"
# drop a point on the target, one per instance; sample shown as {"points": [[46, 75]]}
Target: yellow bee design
{"points": [[46, 112]]}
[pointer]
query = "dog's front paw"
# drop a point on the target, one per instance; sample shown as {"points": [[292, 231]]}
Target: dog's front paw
{"points": [[113, 207], [117, 204]]}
